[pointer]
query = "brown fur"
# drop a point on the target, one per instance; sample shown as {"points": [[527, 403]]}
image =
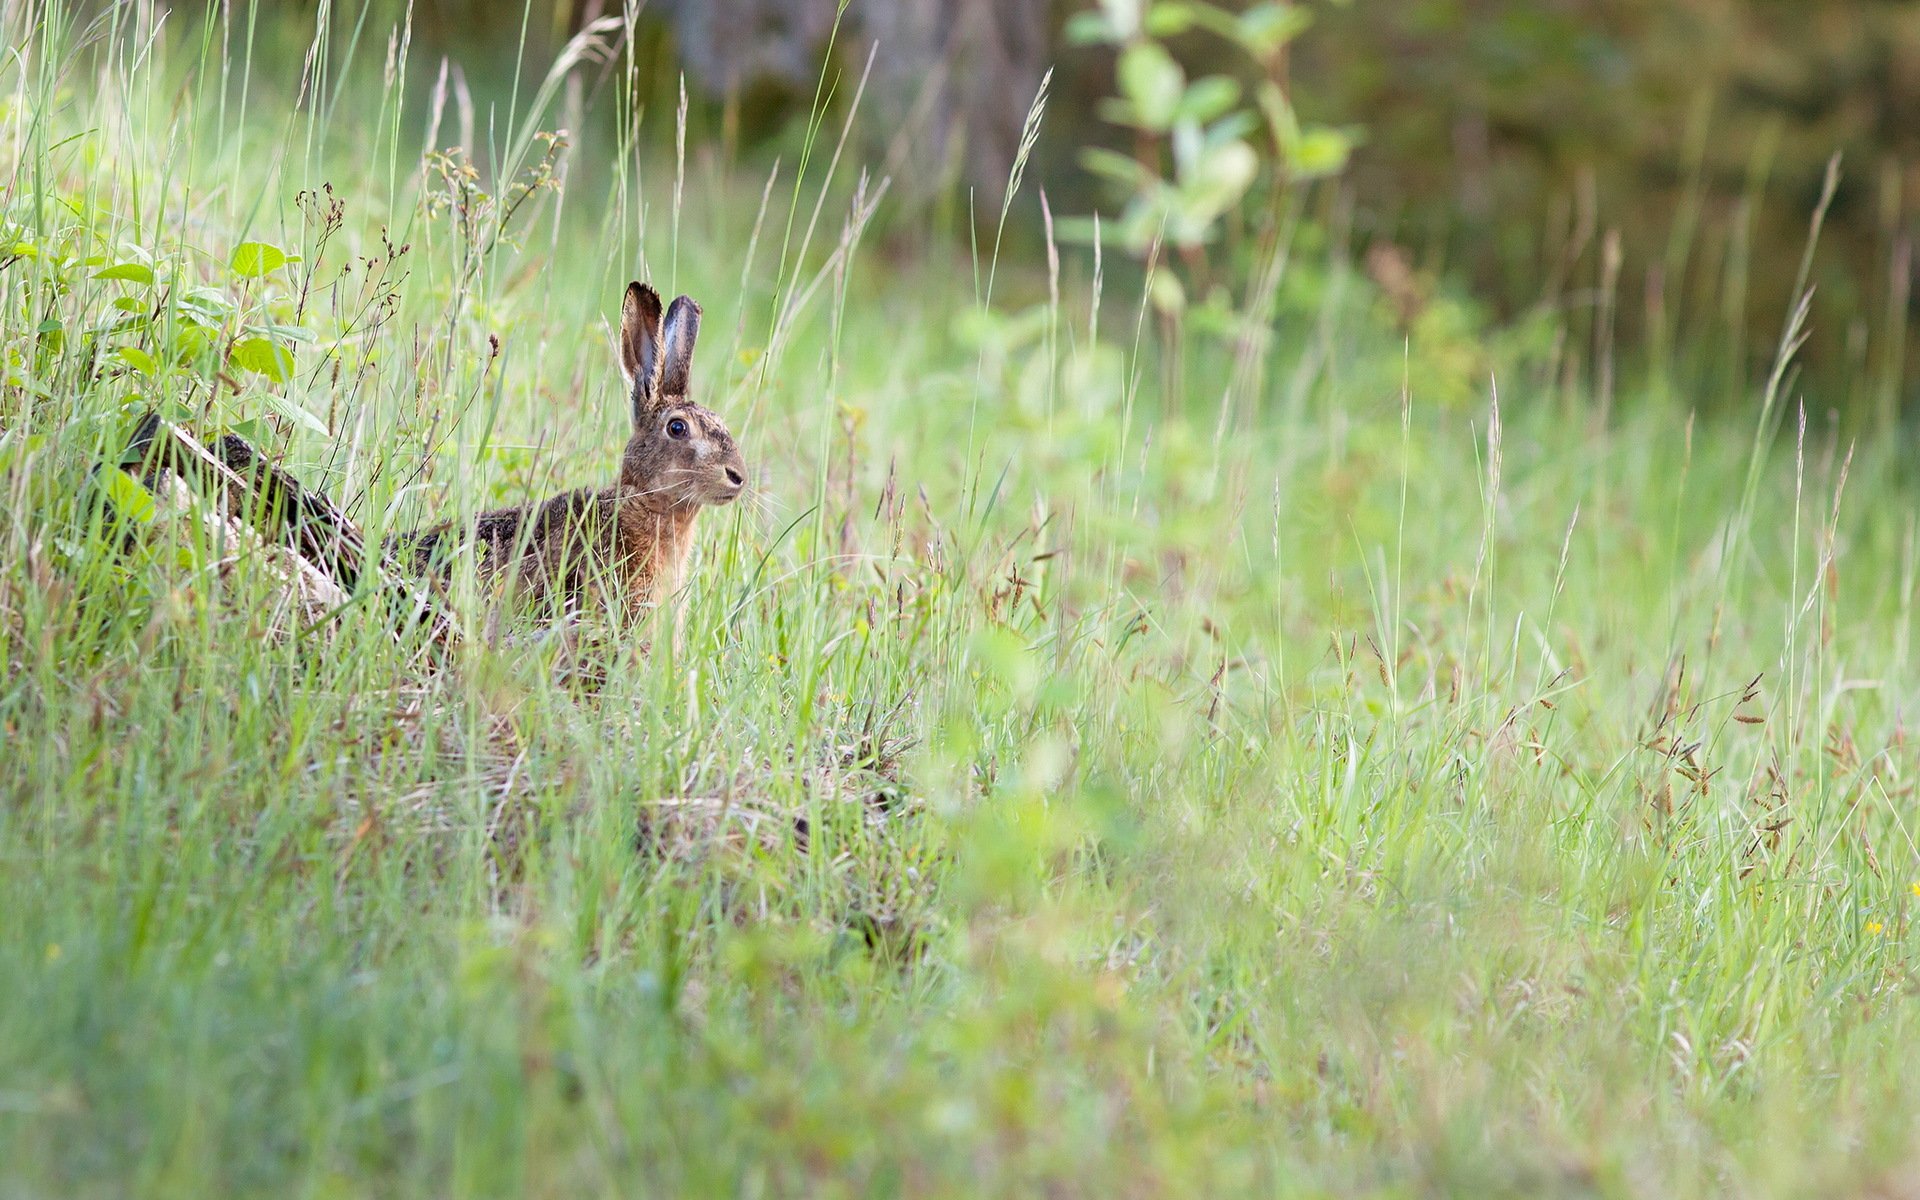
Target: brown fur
{"points": [[633, 537]]}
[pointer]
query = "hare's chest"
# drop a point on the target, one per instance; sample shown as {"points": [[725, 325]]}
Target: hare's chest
{"points": [[654, 558], [670, 569]]}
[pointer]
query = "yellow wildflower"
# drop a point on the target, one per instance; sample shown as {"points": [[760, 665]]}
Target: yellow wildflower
{"points": [[1874, 927]]}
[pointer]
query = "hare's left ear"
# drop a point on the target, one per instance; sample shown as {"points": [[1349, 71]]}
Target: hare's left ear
{"points": [[640, 347], [676, 349]]}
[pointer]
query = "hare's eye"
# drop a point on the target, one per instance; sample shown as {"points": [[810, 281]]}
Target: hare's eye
{"points": [[676, 428]]}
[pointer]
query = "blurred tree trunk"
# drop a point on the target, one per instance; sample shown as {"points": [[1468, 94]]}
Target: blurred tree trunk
{"points": [[952, 79]]}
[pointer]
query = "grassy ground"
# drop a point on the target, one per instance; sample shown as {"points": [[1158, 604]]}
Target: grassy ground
{"points": [[1059, 778]]}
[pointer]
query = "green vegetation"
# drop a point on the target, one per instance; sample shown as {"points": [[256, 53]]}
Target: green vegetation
{"points": [[1126, 748]]}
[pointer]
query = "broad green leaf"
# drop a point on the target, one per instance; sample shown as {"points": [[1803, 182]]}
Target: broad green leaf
{"points": [[297, 414], [1089, 29], [255, 260], [1169, 18], [50, 325], [1220, 177], [207, 299], [130, 271], [1209, 98], [1227, 171], [205, 307], [1113, 165], [1153, 83], [130, 496], [252, 429], [129, 304], [1266, 28], [1234, 127], [189, 343], [1318, 153], [138, 359], [263, 357], [195, 318]]}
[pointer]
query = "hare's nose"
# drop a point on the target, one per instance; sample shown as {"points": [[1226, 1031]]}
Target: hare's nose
{"points": [[735, 478]]}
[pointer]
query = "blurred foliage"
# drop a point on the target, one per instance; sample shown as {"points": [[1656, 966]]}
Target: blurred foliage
{"points": [[1510, 143], [1506, 143], [1200, 145], [1508, 138]]}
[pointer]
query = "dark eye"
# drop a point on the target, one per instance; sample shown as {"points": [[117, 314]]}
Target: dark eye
{"points": [[677, 428]]}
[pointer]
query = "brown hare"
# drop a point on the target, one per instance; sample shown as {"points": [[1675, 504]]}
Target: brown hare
{"points": [[631, 538]]}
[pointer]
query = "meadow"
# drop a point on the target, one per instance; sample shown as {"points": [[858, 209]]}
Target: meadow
{"points": [[1258, 751]]}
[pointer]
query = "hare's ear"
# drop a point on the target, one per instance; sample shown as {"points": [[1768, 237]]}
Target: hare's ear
{"points": [[676, 354], [640, 346]]}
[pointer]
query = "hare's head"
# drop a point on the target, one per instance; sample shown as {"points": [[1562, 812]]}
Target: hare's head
{"points": [[681, 455]]}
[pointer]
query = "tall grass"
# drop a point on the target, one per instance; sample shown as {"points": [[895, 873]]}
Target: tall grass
{"points": [[1054, 781]]}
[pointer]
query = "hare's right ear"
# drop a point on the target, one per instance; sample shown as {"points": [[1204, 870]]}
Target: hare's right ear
{"points": [[640, 346], [676, 346]]}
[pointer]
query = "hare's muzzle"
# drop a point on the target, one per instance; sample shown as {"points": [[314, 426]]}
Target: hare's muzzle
{"points": [[724, 483]]}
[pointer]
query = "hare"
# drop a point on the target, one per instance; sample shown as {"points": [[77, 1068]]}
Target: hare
{"points": [[633, 537]]}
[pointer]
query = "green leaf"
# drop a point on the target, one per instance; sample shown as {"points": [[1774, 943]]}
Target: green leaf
{"points": [[138, 359], [256, 260], [252, 429], [50, 325], [1153, 83], [130, 271], [297, 414], [285, 333], [130, 497], [1169, 18], [1089, 29], [1116, 110], [1219, 177], [1265, 28], [205, 307], [1234, 127], [1318, 153], [189, 342], [1113, 165], [1209, 98], [264, 357]]}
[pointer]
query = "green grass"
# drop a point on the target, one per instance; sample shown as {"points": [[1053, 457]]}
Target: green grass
{"points": [[1049, 784]]}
